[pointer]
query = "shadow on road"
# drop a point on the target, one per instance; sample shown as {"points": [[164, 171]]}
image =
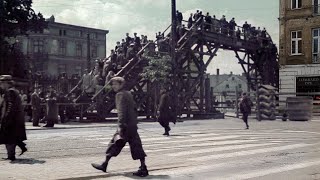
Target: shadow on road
{"points": [[27, 161], [127, 174]]}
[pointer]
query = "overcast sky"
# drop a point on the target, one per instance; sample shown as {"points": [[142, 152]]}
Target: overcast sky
{"points": [[150, 16]]}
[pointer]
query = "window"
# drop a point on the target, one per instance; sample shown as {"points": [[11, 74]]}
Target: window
{"points": [[316, 45], [240, 86], [79, 50], [296, 4], [62, 68], [80, 33], [64, 32], [62, 48], [94, 51], [94, 36], [78, 70], [38, 46], [227, 86], [316, 9], [296, 42]]}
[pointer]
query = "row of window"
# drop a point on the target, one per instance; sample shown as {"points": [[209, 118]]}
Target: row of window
{"points": [[63, 68], [38, 47], [239, 85], [79, 34], [297, 4], [296, 44]]}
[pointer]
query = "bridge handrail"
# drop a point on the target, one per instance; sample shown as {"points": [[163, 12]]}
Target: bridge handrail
{"points": [[268, 37]]}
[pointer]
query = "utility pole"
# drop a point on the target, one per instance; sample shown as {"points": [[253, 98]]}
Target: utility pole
{"points": [[88, 53], [173, 55]]}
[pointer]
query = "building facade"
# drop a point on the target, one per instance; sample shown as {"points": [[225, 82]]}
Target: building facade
{"points": [[299, 46], [224, 83], [63, 48]]}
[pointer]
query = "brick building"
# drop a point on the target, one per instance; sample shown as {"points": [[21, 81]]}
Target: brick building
{"points": [[63, 48], [299, 46]]}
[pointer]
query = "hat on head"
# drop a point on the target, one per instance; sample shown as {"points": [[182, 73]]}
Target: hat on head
{"points": [[117, 79], [6, 78]]}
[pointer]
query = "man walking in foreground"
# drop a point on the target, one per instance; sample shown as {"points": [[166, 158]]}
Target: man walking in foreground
{"points": [[127, 130], [12, 123], [245, 108]]}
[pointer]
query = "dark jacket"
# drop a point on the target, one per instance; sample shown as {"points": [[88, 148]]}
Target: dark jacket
{"points": [[12, 119], [127, 114], [35, 101], [245, 105], [52, 107], [166, 109]]}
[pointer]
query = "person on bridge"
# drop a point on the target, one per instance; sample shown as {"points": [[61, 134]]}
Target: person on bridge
{"points": [[232, 27], [208, 21], [128, 39], [166, 112], [179, 18], [245, 108], [190, 21], [127, 130], [137, 41], [246, 28], [12, 123], [238, 33]]}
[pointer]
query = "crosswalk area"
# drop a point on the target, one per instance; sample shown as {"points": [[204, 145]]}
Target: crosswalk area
{"points": [[217, 150]]}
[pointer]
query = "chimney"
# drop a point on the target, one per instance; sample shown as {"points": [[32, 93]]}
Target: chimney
{"points": [[231, 73], [217, 79]]}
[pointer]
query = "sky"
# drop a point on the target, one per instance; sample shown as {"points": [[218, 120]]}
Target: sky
{"points": [[150, 16]]}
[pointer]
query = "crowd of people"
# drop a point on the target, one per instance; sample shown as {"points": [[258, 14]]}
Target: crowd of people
{"points": [[222, 26]]}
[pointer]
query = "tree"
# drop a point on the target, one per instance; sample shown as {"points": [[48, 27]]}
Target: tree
{"points": [[158, 69], [158, 72], [16, 18]]}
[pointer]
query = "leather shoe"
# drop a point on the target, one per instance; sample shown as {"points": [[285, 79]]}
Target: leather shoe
{"points": [[23, 151], [142, 172], [101, 167]]}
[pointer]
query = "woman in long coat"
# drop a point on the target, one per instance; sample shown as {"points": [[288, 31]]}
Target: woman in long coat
{"points": [[166, 112], [12, 131], [127, 130]]}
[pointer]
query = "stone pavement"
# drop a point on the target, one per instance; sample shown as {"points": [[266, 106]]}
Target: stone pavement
{"points": [[208, 149]]}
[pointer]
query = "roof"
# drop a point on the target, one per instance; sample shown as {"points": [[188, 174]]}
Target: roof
{"points": [[77, 27]]}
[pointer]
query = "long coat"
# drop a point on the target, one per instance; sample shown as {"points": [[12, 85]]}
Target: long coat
{"points": [[166, 110], [127, 114], [245, 105], [12, 119]]}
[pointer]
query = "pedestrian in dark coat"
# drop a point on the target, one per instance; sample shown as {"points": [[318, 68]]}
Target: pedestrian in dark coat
{"points": [[245, 108], [190, 21], [179, 18], [36, 107], [52, 108], [166, 112], [12, 131], [127, 129]]}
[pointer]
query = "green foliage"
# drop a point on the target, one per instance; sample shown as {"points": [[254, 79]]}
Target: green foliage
{"points": [[16, 18], [158, 69]]}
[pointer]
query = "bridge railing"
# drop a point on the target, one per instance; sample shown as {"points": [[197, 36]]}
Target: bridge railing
{"points": [[247, 35]]}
